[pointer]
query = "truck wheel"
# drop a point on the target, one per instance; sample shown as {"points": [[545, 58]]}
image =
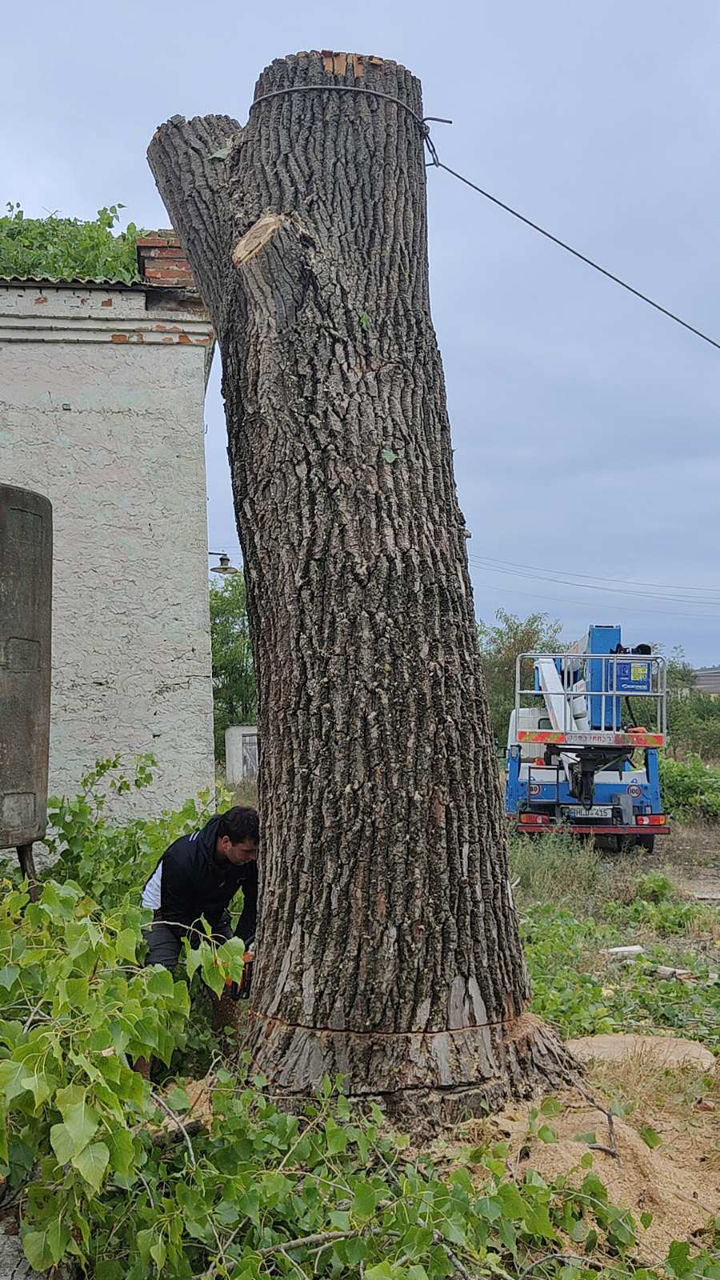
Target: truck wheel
{"points": [[646, 843]]}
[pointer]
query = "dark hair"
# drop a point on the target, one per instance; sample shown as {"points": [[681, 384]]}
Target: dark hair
{"points": [[240, 823]]}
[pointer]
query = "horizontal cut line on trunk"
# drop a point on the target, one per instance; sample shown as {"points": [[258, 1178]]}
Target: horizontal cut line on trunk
{"points": [[426, 1091], [505, 1023]]}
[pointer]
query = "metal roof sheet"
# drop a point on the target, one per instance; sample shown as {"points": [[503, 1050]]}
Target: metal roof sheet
{"points": [[86, 282]]}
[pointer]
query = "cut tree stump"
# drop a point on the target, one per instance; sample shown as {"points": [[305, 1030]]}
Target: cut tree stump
{"points": [[388, 948]]}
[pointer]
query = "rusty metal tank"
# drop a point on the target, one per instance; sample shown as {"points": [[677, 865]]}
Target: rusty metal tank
{"points": [[25, 630]]}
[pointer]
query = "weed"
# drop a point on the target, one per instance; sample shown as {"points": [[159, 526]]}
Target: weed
{"points": [[691, 789], [566, 871]]}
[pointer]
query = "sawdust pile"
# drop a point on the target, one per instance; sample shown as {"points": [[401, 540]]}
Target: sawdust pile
{"points": [[678, 1182]]}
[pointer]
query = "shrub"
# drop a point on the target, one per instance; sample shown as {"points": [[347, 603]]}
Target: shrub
{"points": [[691, 789]]}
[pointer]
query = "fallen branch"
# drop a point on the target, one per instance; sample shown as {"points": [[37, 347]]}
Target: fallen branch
{"points": [[31, 1018], [610, 1150], [568, 1259], [460, 1268], [172, 1115], [320, 1237]]}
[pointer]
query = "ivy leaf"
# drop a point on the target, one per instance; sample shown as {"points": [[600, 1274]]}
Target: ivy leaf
{"points": [[126, 945], [551, 1107], [12, 1075], [8, 974], [62, 1143], [389, 456], [177, 1099], [650, 1137], [122, 1151], [335, 1137], [546, 1133], [80, 1119], [646, 1220], [45, 1248], [92, 1163]]}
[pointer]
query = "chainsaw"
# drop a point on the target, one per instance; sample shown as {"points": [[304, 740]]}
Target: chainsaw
{"points": [[241, 990]]}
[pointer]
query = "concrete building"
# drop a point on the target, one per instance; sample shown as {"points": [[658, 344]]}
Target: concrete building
{"points": [[101, 409], [241, 753]]}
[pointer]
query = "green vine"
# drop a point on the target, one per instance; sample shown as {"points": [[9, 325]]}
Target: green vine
{"points": [[68, 248]]}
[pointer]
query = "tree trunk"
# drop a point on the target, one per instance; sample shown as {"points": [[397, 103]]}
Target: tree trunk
{"points": [[388, 947]]}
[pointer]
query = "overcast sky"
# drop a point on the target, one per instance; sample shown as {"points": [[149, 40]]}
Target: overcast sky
{"points": [[585, 425]]}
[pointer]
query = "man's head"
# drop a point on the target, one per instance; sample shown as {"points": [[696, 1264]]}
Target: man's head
{"points": [[238, 835]]}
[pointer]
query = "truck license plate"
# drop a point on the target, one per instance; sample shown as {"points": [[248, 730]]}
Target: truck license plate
{"points": [[597, 811]]}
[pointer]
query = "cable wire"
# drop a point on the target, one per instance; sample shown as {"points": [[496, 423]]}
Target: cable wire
{"points": [[423, 123], [438, 164], [561, 576], [627, 609], [598, 577], [559, 581]]}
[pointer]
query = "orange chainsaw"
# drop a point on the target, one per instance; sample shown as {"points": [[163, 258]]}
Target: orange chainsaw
{"points": [[241, 990]]}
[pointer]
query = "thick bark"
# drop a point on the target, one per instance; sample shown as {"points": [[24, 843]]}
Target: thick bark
{"points": [[388, 948]]}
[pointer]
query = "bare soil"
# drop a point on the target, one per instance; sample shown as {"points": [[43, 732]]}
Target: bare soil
{"points": [[691, 853], [678, 1181]]}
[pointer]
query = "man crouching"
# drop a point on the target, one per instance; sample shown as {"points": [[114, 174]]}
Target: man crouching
{"points": [[199, 875]]}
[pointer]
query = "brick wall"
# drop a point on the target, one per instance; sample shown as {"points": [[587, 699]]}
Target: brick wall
{"points": [[162, 261]]}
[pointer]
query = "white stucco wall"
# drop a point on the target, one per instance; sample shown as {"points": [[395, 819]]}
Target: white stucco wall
{"points": [[101, 409]]}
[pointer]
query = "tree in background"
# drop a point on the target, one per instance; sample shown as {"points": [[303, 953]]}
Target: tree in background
{"points": [[680, 674], [693, 716], [499, 647], [234, 692]]}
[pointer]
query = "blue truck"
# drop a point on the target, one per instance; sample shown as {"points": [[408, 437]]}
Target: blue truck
{"points": [[584, 741]]}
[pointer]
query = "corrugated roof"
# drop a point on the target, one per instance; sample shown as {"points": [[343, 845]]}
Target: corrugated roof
{"points": [[87, 282]]}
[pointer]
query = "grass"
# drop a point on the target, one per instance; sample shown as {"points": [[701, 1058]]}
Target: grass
{"points": [[568, 873], [574, 905], [638, 1084]]}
